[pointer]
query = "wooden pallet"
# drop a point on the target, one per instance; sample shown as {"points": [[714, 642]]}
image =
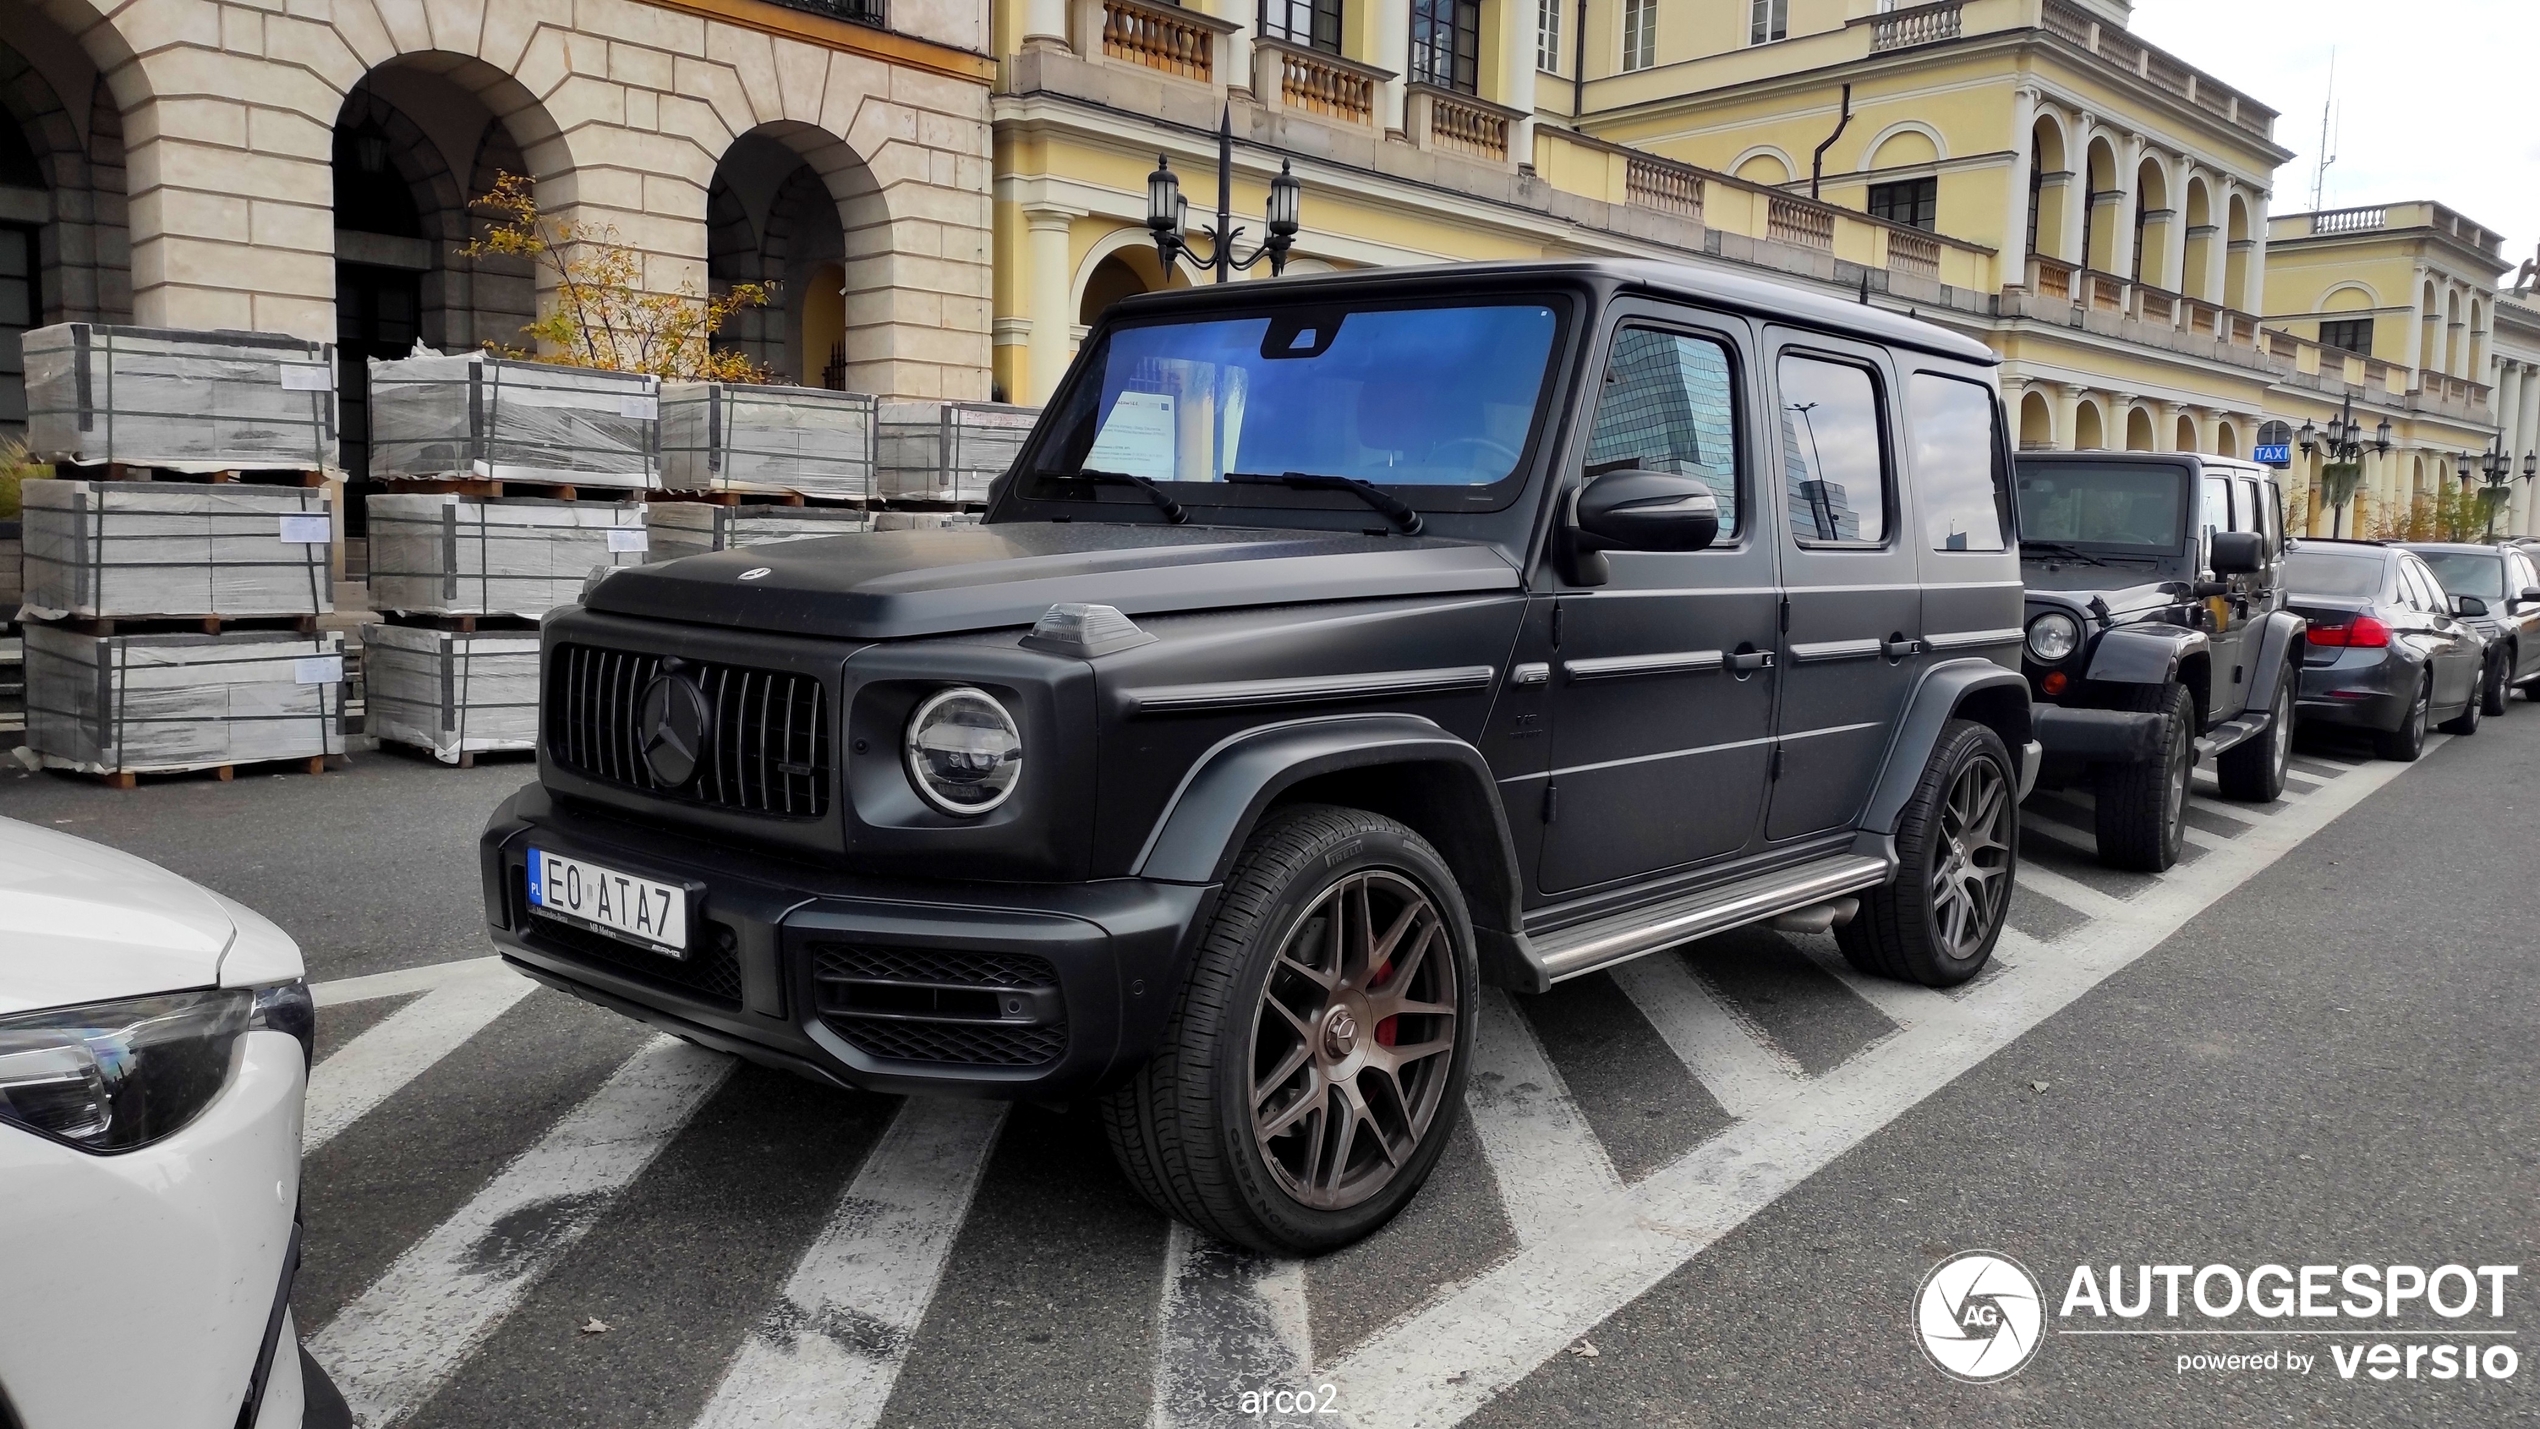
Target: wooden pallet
{"points": [[460, 624], [225, 773], [486, 488], [183, 624], [754, 496], [130, 471]]}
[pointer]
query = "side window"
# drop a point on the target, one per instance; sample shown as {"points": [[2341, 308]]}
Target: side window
{"points": [[1670, 404], [2524, 578], [2217, 513], [1956, 476], [2247, 510], [1834, 452], [2271, 496], [2424, 591]]}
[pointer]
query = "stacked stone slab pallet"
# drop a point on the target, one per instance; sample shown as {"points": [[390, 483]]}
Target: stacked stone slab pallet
{"points": [[937, 459], [177, 565]]}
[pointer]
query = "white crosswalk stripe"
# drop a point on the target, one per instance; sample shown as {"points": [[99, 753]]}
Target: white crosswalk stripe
{"points": [[1549, 1165], [1230, 1320], [827, 1355], [392, 1347], [1740, 1067], [369, 1069], [401, 982]]}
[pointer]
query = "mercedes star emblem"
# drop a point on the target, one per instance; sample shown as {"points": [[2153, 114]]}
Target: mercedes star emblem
{"points": [[672, 721]]}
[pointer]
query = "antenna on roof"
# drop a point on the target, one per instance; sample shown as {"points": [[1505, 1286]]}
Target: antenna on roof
{"points": [[1865, 287], [2319, 167]]}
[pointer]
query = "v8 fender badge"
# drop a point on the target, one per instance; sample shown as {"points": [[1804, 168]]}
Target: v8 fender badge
{"points": [[754, 572]]}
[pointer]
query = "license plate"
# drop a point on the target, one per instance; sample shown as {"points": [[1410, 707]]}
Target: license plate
{"points": [[639, 910]]}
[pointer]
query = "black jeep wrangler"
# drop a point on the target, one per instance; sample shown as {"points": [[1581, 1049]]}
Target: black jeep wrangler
{"points": [[2157, 635], [1337, 648]]}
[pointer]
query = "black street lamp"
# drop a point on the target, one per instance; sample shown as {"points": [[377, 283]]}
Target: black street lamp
{"points": [[2343, 446], [1168, 214], [2496, 468]]}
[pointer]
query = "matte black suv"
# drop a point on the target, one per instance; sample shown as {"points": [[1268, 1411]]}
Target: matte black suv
{"points": [[2157, 635], [1337, 647]]}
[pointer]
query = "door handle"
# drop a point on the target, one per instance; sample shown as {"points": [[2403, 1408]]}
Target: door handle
{"points": [[1899, 649], [1747, 662]]}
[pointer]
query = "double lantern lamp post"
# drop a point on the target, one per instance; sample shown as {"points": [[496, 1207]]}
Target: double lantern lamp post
{"points": [[1168, 215], [2343, 442], [2496, 467]]}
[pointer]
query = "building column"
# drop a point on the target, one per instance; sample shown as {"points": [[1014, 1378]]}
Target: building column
{"points": [[2165, 425], [2076, 196], [1046, 269], [2208, 430], [1390, 48], [2067, 415], [2121, 216], [1246, 15], [1519, 23], [2253, 278], [2529, 440], [2014, 259], [1045, 23]]}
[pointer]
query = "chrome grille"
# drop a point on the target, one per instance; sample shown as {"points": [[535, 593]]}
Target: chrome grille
{"points": [[766, 752]]}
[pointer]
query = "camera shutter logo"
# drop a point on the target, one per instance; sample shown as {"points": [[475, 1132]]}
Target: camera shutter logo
{"points": [[1979, 1316], [672, 722]]}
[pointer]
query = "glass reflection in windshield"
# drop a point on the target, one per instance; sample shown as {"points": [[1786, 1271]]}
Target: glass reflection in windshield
{"points": [[1435, 396], [2112, 505]]}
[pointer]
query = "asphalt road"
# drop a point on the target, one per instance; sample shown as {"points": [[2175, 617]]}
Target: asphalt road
{"points": [[1726, 1169]]}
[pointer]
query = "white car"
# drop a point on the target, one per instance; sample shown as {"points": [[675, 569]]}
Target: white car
{"points": [[154, 1049]]}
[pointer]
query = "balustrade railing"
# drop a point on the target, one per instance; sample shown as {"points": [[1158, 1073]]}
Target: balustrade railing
{"points": [[1913, 253], [1159, 37], [1796, 221], [1921, 25], [1668, 188]]}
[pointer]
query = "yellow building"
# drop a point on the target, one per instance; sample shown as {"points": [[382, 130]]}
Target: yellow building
{"points": [[2026, 171]]}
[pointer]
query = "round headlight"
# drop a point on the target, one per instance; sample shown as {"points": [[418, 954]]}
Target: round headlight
{"points": [[2053, 636], [964, 751]]}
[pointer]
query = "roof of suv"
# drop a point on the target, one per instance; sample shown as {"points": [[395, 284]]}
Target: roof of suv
{"points": [[2198, 459], [1756, 296]]}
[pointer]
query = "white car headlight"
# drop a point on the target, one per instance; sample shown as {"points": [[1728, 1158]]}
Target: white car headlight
{"points": [[113, 1076], [965, 753], [2053, 637]]}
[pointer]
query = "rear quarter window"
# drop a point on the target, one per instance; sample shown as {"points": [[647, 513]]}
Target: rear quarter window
{"points": [[2334, 574], [1957, 470]]}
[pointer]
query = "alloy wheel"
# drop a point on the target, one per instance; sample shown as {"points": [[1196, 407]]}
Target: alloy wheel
{"points": [[2182, 757], [2283, 730], [1970, 883], [1353, 1040]]}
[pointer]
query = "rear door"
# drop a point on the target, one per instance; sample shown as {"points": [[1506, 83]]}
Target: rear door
{"points": [[1854, 602], [2457, 651], [1662, 680], [2519, 615], [1960, 477], [2227, 507]]}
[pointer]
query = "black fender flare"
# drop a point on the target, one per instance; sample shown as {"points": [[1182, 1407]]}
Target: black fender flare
{"points": [[2145, 654], [1224, 794], [2001, 700], [2278, 638]]}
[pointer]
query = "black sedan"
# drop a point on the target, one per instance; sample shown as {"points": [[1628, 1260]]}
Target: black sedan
{"points": [[2388, 651], [2508, 584]]}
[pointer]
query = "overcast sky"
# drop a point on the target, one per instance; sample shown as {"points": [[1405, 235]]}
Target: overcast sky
{"points": [[2436, 99]]}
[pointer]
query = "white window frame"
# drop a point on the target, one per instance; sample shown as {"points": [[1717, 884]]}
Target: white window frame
{"points": [[1640, 35], [1548, 35], [1767, 21]]}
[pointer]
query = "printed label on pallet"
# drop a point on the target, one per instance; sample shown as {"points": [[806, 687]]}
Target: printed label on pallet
{"points": [[308, 530]]}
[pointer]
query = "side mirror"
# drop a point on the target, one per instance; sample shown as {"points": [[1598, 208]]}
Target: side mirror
{"points": [[1635, 510], [2468, 605], [2239, 553], [2530, 594]]}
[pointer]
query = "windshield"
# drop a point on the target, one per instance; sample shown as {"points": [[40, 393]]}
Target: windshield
{"points": [[1405, 396], [2113, 505], [2475, 573], [2333, 573]]}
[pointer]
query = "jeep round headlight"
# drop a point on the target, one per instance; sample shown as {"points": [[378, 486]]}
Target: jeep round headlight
{"points": [[964, 751], [2053, 637]]}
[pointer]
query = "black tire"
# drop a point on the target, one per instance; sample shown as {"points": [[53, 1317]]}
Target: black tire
{"points": [[2472, 713], [2493, 692], [2142, 815], [2253, 770], [2406, 742], [1183, 1127], [1956, 854]]}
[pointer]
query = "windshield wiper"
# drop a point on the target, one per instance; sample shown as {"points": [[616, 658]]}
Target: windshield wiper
{"points": [[1391, 507], [2059, 548], [1171, 508]]}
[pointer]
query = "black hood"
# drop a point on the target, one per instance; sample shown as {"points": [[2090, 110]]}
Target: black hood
{"points": [[885, 585]]}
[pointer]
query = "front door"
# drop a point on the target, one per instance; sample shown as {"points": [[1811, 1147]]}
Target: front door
{"points": [[1855, 616], [2227, 616], [1663, 679]]}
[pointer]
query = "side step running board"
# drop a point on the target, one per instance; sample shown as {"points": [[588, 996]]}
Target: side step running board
{"points": [[2231, 734], [1620, 937]]}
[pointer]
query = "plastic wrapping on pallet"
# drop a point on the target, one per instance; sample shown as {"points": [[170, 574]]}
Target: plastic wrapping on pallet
{"points": [[478, 415], [922, 520], [187, 401], [735, 436], [948, 451], [10, 565], [451, 692], [688, 528], [107, 704], [132, 549], [463, 555]]}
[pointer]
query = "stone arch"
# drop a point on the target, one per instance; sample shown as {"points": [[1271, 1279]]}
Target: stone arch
{"points": [[1905, 144], [2452, 333], [2037, 422], [2090, 428], [2152, 219], [65, 254], [2226, 438], [2203, 250], [1765, 164], [2241, 251], [2351, 296], [2048, 155], [791, 204], [2101, 203], [2138, 429], [2471, 338], [1120, 263], [2184, 435]]}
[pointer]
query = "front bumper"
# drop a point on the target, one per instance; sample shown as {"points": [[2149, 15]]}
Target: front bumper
{"points": [[2362, 689], [141, 1287], [2097, 736], [893, 984]]}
